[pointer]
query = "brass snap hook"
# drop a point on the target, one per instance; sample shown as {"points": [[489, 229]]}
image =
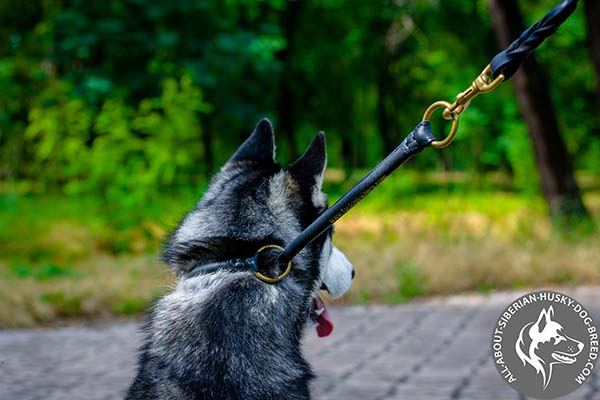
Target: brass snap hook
{"points": [[427, 116], [482, 84], [268, 279]]}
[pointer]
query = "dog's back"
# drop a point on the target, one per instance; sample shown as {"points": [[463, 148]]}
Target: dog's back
{"points": [[224, 336]]}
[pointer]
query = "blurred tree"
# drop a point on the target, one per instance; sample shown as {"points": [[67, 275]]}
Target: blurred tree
{"points": [[553, 162], [592, 16]]}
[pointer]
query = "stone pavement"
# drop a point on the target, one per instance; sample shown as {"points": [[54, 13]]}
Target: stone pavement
{"points": [[433, 349]]}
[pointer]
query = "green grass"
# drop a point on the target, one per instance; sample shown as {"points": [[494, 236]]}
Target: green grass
{"points": [[411, 283], [416, 235], [42, 272]]}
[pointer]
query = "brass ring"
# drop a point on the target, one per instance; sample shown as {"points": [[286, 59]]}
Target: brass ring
{"points": [[427, 116], [268, 279]]}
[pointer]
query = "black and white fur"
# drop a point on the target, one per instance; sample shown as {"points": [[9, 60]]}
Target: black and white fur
{"points": [[226, 334]]}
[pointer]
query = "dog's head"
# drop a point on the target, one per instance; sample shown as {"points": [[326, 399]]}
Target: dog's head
{"points": [[544, 343], [253, 202]]}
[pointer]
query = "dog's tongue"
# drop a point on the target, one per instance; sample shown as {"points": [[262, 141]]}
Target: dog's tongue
{"points": [[324, 324]]}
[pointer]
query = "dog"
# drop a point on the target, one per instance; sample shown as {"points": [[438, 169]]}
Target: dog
{"points": [[544, 343], [224, 334]]}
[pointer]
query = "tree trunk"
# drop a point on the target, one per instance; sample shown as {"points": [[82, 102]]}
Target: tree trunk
{"points": [[552, 159], [285, 106], [592, 16]]}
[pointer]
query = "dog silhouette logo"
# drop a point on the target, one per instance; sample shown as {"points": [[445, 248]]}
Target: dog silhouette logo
{"points": [[545, 345]]}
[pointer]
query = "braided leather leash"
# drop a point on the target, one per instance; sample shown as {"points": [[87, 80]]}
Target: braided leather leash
{"points": [[501, 68]]}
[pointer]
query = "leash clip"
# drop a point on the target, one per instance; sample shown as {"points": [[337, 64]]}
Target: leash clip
{"points": [[269, 279], [482, 84]]}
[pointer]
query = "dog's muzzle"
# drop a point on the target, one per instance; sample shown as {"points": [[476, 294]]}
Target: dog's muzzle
{"points": [[338, 275]]}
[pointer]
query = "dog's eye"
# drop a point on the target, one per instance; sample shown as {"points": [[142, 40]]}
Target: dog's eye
{"points": [[558, 339]]}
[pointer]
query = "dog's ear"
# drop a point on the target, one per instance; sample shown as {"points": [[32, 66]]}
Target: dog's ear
{"points": [[310, 167], [260, 146], [544, 318]]}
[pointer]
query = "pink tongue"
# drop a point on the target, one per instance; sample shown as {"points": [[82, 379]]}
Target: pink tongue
{"points": [[324, 324]]}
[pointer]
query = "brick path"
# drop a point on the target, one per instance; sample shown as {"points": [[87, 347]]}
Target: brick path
{"points": [[435, 349]]}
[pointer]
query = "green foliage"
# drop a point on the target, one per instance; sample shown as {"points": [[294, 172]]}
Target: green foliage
{"points": [[59, 128], [125, 99], [40, 273], [119, 153]]}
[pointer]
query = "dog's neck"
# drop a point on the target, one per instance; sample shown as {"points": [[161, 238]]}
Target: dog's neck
{"points": [[187, 258]]}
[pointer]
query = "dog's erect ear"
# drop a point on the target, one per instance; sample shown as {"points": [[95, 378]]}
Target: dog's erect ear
{"points": [[544, 318], [310, 167], [260, 146]]}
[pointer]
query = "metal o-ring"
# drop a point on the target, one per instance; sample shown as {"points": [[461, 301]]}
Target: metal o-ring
{"points": [[427, 116], [268, 279]]}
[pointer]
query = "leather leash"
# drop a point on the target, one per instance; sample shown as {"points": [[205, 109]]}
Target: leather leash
{"points": [[501, 68]]}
